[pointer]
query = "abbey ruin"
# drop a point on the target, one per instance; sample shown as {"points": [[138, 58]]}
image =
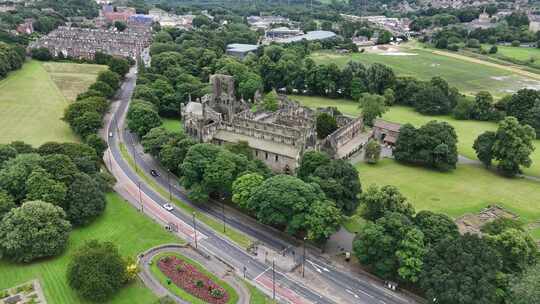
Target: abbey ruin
{"points": [[277, 138]]}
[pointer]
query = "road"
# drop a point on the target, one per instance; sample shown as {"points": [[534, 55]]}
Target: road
{"points": [[354, 289]]}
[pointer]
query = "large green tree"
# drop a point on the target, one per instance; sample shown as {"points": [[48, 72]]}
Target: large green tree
{"points": [[378, 201], [435, 226], [244, 187], [325, 125], [96, 271], [526, 288], [462, 270], [373, 106], [34, 230], [85, 200]]}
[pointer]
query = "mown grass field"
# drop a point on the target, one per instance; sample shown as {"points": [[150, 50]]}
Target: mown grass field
{"points": [[468, 77], [120, 224], [468, 189], [467, 130], [72, 78], [32, 100]]}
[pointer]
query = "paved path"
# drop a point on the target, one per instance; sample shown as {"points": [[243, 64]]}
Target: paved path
{"points": [[214, 266]]}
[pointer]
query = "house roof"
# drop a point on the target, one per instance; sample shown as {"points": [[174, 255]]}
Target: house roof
{"points": [[259, 143], [387, 125]]}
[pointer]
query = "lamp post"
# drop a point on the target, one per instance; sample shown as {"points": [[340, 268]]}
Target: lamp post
{"points": [[140, 196], [223, 213], [304, 258], [273, 280], [169, 182], [195, 229]]}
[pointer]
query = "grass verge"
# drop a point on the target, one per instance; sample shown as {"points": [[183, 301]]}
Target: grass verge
{"points": [[257, 296], [120, 224], [233, 295], [234, 235]]}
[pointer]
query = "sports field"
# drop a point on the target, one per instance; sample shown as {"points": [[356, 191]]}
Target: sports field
{"points": [[467, 130], [468, 77], [122, 225], [32, 100]]}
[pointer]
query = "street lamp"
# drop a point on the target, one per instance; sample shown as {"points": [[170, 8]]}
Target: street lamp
{"points": [[273, 280], [304, 258], [223, 214], [195, 229], [169, 182], [140, 196]]}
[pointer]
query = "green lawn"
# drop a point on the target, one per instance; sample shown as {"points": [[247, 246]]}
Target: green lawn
{"points": [[233, 295], [32, 101], [121, 224], [257, 296], [467, 189], [519, 53], [171, 124], [467, 130], [466, 76]]}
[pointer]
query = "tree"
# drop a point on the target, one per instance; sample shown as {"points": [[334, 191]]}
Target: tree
{"points": [[244, 187], [119, 65], [120, 26], [41, 187], [435, 226], [33, 230], [483, 106], [271, 101], [372, 153], [221, 172], [6, 203], [154, 140], [462, 270], [384, 37], [309, 162], [142, 117], [284, 202], [340, 183], [6, 152], [433, 144], [322, 220], [378, 201], [325, 125], [201, 20], [517, 249], [379, 78], [96, 271], [85, 200], [483, 145], [463, 109], [501, 224], [103, 88], [194, 165], [391, 246], [97, 143], [373, 106], [15, 172], [525, 289], [60, 167], [513, 146], [88, 123], [493, 49], [41, 54], [111, 78]]}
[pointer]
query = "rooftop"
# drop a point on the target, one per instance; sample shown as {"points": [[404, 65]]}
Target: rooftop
{"points": [[241, 48], [309, 36], [387, 125]]}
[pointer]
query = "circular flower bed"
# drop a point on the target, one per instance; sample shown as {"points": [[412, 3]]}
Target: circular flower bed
{"points": [[190, 279]]}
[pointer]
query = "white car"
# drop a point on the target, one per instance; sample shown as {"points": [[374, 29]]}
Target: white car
{"points": [[168, 207]]}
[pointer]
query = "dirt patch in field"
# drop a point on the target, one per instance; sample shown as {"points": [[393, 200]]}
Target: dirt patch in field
{"points": [[471, 223], [388, 50]]}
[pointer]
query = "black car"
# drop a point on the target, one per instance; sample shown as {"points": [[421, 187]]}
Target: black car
{"points": [[154, 173]]}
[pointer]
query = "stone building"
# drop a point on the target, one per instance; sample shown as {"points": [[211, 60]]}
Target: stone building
{"points": [[277, 138], [83, 43], [385, 131]]}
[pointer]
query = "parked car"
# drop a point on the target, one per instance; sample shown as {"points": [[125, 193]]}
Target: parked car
{"points": [[168, 207]]}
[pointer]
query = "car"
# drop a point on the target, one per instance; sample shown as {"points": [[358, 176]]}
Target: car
{"points": [[110, 134], [154, 173], [168, 207]]}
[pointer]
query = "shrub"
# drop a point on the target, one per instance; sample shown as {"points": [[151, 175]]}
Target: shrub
{"points": [[199, 283], [515, 43], [216, 293]]}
